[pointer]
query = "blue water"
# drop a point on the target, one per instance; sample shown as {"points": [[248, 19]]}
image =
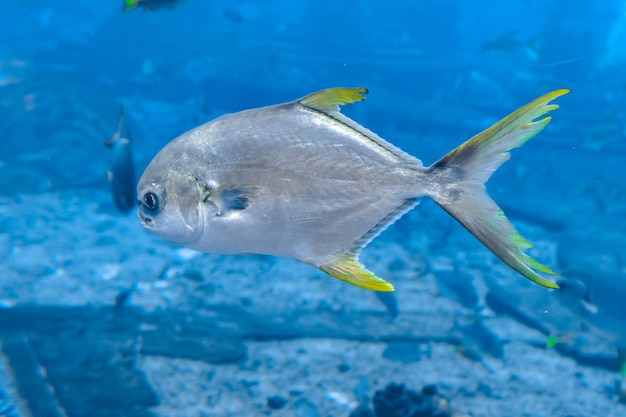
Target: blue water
{"points": [[438, 72]]}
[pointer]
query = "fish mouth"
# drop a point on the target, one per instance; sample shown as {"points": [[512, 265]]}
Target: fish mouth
{"points": [[146, 222], [192, 230]]}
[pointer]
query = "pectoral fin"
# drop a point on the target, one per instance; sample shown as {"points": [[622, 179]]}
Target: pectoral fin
{"points": [[231, 198], [347, 268]]}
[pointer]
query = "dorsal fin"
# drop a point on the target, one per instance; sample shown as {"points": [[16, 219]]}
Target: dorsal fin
{"points": [[118, 133], [329, 100]]}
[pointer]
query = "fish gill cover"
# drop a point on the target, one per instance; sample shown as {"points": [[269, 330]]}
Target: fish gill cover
{"points": [[99, 317]]}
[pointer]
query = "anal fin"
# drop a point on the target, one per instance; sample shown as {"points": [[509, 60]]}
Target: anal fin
{"points": [[347, 268]]}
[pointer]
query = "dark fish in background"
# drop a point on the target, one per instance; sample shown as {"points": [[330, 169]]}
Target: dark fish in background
{"points": [[511, 41], [608, 131], [150, 5], [122, 174]]}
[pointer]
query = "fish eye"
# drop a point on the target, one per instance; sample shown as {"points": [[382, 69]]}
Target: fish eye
{"points": [[150, 201]]}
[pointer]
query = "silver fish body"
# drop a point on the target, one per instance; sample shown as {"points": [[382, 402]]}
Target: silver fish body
{"points": [[302, 181], [314, 191]]}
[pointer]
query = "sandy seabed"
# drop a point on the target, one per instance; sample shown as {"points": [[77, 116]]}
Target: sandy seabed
{"points": [[73, 250]]}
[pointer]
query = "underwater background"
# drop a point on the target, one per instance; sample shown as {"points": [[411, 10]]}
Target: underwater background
{"points": [[100, 318]]}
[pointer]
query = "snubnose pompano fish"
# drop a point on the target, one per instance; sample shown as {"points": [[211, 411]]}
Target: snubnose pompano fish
{"points": [[301, 180]]}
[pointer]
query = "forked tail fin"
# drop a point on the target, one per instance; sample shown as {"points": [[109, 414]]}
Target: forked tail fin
{"points": [[459, 185]]}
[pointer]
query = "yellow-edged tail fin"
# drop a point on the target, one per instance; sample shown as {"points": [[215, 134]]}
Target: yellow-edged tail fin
{"points": [[460, 179]]}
